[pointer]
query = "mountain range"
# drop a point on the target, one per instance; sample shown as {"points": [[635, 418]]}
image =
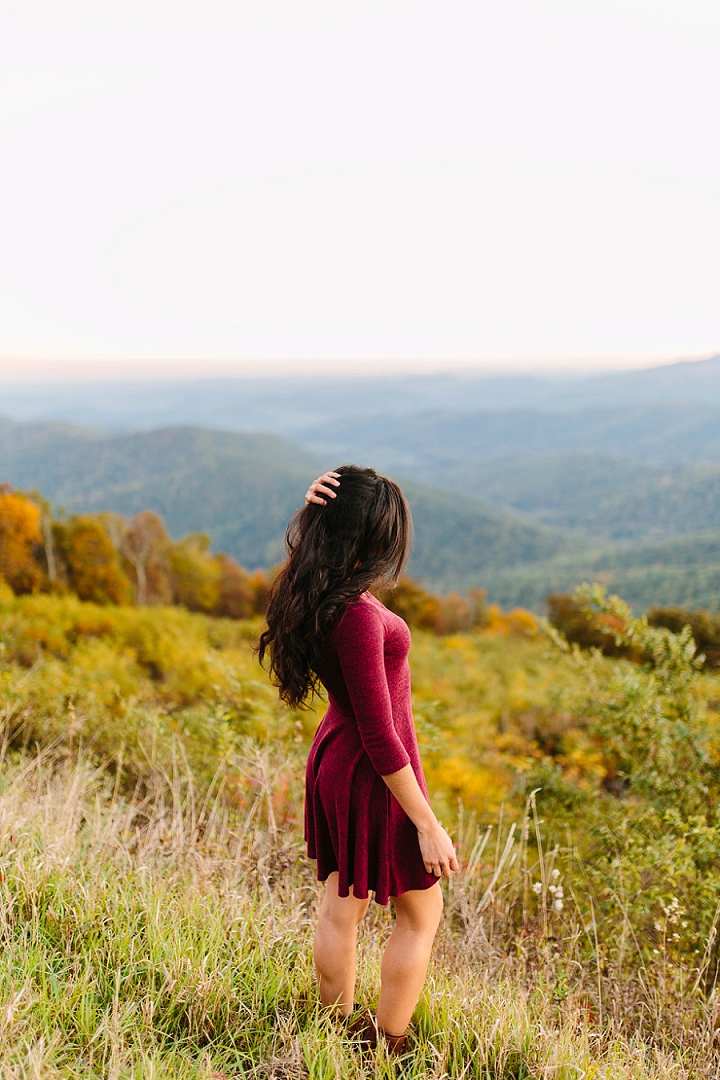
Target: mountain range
{"points": [[289, 405], [241, 489]]}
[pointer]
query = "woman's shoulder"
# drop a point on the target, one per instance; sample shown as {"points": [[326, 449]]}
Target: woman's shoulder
{"points": [[363, 612]]}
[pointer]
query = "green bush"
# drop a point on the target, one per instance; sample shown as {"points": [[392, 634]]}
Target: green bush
{"points": [[704, 627], [651, 839]]}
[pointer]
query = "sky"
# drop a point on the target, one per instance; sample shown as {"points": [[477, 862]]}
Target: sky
{"points": [[349, 182]]}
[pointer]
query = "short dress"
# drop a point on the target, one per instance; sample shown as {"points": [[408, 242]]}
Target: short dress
{"points": [[353, 824]]}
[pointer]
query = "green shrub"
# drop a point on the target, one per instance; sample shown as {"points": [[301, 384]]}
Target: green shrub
{"points": [[651, 843], [704, 627]]}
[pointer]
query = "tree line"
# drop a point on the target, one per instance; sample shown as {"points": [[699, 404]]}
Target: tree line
{"points": [[107, 559]]}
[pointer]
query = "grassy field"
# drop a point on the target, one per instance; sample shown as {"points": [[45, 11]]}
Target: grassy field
{"points": [[157, 910]]}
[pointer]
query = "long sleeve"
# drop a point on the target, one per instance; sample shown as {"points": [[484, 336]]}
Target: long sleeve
{"points": [[358, 640]]}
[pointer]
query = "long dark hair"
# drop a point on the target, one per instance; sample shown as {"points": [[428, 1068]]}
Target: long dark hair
{"points": [[335, 552]]}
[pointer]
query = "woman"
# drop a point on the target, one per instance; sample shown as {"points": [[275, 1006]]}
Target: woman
{"points": [[368, 822]]}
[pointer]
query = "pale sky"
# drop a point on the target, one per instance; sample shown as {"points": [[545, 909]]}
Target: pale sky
{"points": [[315, 179]]}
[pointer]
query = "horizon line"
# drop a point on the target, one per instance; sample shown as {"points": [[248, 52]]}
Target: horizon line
{"points": [[18, 370]]}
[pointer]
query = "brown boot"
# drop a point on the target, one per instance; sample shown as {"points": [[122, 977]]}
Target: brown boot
{"points": [[362, 1028], [396, 1044]]}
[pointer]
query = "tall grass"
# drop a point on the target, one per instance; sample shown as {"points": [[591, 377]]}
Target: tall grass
{"points": [[169, 935], [157, 909]]}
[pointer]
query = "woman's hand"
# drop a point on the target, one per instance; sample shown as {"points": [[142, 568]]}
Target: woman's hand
{"points": [[436, 847], [320, 487], [438, 851]]}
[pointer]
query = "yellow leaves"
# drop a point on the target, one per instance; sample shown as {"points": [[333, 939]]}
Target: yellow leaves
{"points": [[19, 533], [146, 545], [93, 563], [479, 787], [495, 699], [105, 559], [441, 614], [517, 622], [196, 575]]}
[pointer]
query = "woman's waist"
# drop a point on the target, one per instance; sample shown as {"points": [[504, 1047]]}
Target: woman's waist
{"points": [[340, 722], [338, 716]]}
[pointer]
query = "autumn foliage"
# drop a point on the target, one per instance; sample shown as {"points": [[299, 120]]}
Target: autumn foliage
{"points": [[106, 559], [20, 536], [93, 565], [581, 623]]}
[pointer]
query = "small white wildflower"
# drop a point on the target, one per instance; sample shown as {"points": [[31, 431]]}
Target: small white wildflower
{"points": [[558, 905], [552, 888], [658, 926], [656, 950], [537, 887], [559, 893], [683, 924], [555, 874]]}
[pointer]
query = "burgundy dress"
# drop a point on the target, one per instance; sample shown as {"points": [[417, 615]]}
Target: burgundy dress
{"points": [[353, 824]]}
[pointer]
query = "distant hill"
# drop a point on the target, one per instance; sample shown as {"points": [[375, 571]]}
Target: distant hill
{"points": [[701, 550], [623, 474], [602, 496], [697, 380], [690, 587], [444, 446], [290, 405], [241, 489], [683, 572]]}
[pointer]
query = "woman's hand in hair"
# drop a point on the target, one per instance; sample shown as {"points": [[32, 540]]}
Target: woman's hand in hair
{"points": [[320, 487], [438, 851]]}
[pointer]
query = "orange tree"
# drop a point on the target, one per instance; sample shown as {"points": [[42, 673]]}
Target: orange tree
{"points": [[20, 533], [92, 562]]}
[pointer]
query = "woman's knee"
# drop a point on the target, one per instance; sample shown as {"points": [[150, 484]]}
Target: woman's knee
{"points": [[420, 910], [342, 911]]}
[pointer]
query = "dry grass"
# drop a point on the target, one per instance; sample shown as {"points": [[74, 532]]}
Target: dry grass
{"points": [[169, 935]]}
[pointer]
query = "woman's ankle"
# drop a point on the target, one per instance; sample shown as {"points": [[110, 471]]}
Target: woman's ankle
{"points": [[396, 1044]]}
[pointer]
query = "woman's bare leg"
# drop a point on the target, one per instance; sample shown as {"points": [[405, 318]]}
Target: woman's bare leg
{"points": [[406, 957], [335, 945]]}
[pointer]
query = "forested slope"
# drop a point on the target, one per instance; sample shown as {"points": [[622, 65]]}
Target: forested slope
{"points": [[601, 495], [241, 490]]}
